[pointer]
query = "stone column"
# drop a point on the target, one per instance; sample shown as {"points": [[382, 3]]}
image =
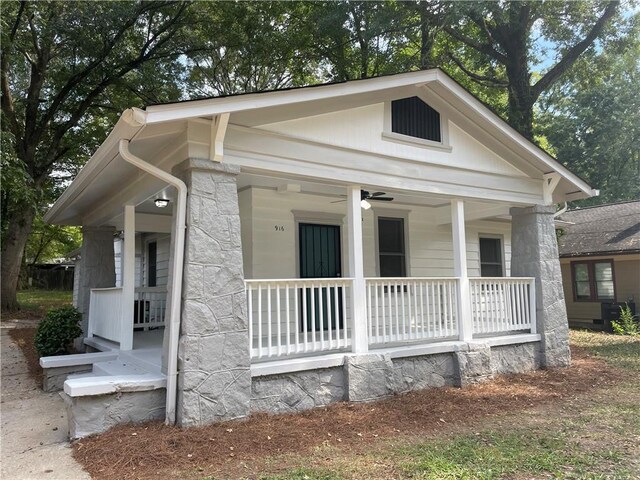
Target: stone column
{"points": [[97, 266], [534, 253], [214, 379]]}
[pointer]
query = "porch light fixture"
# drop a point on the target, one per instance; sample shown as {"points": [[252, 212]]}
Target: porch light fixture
{"points": [[364, 204], [161, 202]]}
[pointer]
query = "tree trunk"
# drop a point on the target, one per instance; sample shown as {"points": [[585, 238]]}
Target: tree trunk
{"points": [[426, 36], [521, 98], [19, 227]]}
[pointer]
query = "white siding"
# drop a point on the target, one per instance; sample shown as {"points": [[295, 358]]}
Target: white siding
{"points": [[361, 128], [271, 252], [162, 254]]}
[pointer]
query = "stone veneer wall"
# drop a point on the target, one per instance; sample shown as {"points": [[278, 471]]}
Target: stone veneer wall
{"points": [[534, 253], [374, 376], [97, 268], [214, 383]]}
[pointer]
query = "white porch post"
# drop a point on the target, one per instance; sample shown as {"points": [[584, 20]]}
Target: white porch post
{"points": [[465, 322], [128, 278], [359, 340]]}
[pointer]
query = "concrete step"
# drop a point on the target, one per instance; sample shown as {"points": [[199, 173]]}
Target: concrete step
{"points": [[117, 368]]}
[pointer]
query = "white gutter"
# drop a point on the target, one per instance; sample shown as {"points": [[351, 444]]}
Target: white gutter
{"points": [[175, 295]]}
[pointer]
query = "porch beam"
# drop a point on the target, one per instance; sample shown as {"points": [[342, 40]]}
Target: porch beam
{"points": [[465, 322], [359, 340], [472, 212], [128, 278]]}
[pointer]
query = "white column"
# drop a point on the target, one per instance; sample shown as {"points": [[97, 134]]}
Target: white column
{"points": [[128, 277], [359, 340], [465, 322]]}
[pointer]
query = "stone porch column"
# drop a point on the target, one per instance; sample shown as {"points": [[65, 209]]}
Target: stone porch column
{"points": [[214, 379], [97, 266], [534, 253]]}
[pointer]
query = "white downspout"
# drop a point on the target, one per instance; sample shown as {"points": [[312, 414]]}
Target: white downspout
{"points": [[178, 260]]}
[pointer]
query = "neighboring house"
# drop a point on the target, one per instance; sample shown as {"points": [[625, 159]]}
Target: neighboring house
{"points": [[301, 247], [600, 259]]}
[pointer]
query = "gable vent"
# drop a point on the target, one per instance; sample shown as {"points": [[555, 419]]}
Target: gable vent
{"points": [[411, 116]]}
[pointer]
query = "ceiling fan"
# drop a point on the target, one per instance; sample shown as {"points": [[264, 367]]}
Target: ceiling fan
{"points": [[366, 196]]}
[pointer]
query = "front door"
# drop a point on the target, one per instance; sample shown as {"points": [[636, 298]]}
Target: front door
{"points": [[320, 257]]}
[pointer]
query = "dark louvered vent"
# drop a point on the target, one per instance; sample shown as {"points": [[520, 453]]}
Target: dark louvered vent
{"points": [[411, 116]]}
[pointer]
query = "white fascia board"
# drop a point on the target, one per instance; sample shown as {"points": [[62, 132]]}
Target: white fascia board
{"points": [[127, 127], [235, 103], [493, 119]]}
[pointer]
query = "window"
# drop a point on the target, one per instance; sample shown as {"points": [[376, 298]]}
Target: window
{"points": [[152, 262], [412, 117], [491, 257], [593, 280], [391, 247]]}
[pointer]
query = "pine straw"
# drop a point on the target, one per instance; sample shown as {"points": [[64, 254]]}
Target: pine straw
{"points": [[24, 338], [154, 450]]}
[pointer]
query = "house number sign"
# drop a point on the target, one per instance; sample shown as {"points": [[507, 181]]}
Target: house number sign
{"points": [[279, 228]]}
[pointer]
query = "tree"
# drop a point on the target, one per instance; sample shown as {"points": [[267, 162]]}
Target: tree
{"points": [[249, 47], [592, 122], [64, 65], [504, 36]]}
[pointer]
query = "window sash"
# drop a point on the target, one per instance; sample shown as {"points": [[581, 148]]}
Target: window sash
{"points": [[399, 255], [593, 280], [487, 264]]}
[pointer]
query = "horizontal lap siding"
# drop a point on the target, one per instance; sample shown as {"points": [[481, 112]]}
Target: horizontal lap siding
{"points": [[274, 253]]}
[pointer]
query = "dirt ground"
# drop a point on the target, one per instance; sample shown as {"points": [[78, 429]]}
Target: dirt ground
{"points": [[34, 425], [262, 443]]}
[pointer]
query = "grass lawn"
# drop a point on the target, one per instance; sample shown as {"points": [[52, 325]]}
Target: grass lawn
{"points": [[35, 303], [577, 423]]}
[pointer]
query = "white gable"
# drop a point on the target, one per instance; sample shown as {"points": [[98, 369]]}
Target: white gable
{"points": [[361, 129]]}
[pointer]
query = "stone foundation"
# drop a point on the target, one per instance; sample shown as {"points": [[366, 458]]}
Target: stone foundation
{"points": [[53, 378], [373, 376], [98, 413]]}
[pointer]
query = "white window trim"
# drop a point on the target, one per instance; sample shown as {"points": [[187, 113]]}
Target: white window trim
{"points": [[391, 213], [389, 135], [502, 254]]}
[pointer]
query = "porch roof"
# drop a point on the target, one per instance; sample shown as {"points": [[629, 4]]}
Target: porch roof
{"points": [[154, 131]]}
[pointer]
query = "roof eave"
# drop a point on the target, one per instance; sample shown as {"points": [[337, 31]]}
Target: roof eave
{"points": [[127, 127]]}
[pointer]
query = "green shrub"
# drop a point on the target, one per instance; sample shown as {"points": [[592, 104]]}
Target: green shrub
{"points": [[58, 330], [627, 324]]}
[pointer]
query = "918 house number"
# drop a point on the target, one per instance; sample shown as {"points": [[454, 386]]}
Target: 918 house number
{"points": [[279, 228]]}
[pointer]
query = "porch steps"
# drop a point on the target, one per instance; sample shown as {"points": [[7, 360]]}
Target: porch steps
{"points": [[117, 367]]}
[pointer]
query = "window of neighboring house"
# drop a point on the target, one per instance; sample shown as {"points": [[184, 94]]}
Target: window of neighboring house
{"points": [[593, 280], [152, 264], [412, 117], [491, 257], [391, 247]]}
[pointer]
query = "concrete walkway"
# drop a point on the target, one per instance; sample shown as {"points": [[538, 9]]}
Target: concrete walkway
{"points": [[34, 426]]}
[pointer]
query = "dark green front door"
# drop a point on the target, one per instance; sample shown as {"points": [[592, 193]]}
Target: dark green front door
{"points": [[320, 257]]}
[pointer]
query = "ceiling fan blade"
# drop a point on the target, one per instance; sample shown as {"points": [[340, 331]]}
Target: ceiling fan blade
{"points": [[338, 201], [377, 194], [382, 199]]}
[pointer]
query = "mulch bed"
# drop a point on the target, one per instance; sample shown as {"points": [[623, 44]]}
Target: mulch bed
{"points": [[155, 450], [24, 338]]}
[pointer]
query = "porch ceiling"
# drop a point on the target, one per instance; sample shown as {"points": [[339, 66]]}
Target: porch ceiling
{"points": [[401, 198]]}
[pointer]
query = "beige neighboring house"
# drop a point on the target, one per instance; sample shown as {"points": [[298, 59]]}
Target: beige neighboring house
{"points": [[600, 260]]}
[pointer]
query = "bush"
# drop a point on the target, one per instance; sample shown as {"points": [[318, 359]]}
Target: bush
{"points": [[627, 324], [58, 330]]}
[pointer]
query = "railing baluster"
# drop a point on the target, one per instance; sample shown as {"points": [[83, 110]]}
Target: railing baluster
{"points": [[259, 321], [279, 320], [288, 316], [269, 328]]}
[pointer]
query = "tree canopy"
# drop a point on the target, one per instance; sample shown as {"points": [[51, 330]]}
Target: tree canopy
{"points": [[563, 73]]}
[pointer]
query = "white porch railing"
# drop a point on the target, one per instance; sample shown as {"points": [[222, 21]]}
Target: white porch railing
{"points": [[105, 312], [402, 310], [503, 304], [297, 316], [149, 307]]}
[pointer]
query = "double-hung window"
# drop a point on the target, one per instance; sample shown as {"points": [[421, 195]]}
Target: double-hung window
{"points": [[391, 247], [593, 280], [491, 257]]}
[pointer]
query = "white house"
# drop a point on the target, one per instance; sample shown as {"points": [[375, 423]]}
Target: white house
{"points": [[300, 247]]}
